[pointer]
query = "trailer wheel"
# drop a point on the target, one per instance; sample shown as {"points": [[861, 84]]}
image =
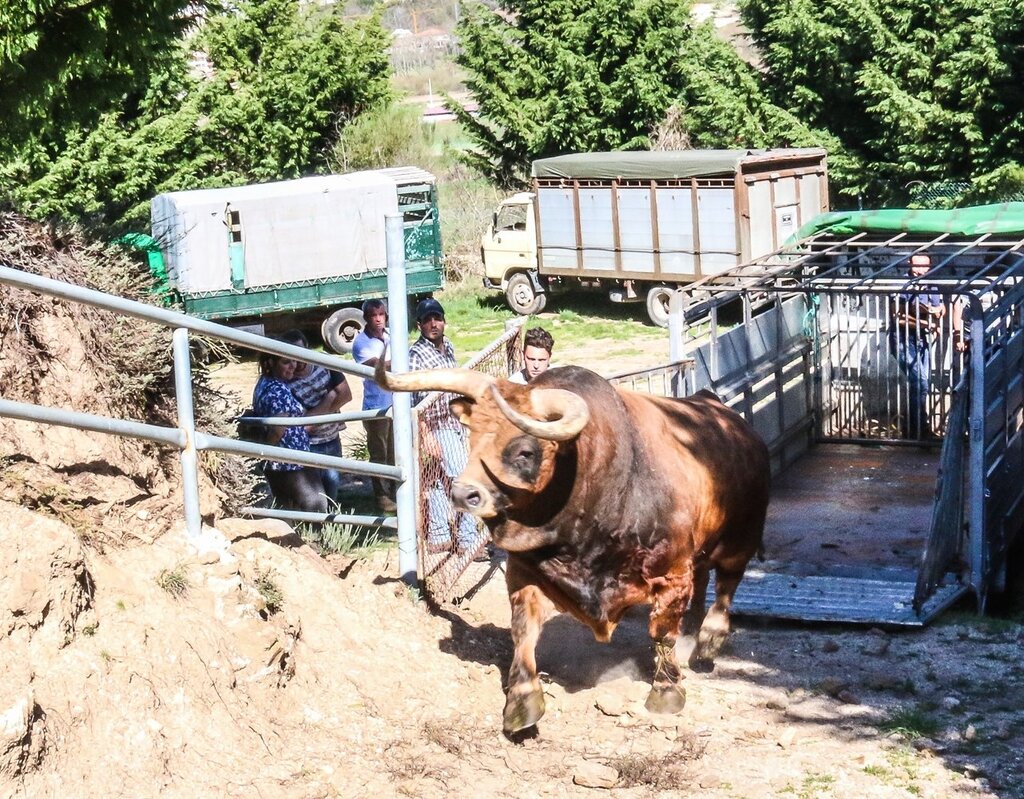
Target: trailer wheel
{"points": [[522, 297], [340, 329], [657, 305]]}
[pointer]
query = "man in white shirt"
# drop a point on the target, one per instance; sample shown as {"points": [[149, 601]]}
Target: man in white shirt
{"points": [[537, 347], [369, 347]]}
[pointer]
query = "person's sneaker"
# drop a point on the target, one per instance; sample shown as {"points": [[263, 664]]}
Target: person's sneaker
{"points": [[386, 505]]}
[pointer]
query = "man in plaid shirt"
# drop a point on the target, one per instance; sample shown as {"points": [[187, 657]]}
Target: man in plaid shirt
{"points": [[444, 437]]}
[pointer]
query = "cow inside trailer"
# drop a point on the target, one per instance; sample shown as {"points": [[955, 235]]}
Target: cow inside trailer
{"points": [[873, 520]]}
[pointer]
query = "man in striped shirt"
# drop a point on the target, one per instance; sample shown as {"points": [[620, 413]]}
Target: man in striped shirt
{"points": [[444, 437]]}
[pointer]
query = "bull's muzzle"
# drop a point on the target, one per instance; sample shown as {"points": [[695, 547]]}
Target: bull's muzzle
{"points": [[473, 498]]}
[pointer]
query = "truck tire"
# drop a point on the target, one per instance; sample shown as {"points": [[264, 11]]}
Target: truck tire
{"points": [[522, 297], [340, 329], [657, 305]]}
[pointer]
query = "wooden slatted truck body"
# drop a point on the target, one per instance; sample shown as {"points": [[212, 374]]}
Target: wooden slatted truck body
{"points": [[640, 224]]}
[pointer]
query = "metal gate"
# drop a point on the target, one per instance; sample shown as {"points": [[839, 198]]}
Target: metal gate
{"points": [[850, 294]]}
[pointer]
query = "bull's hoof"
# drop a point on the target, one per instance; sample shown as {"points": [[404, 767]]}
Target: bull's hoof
{"points": [[701, 665], [666, 699], [522, 711]]}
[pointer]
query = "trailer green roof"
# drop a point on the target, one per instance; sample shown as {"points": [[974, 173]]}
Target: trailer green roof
{"points": [[642, 164], [973, 221]]}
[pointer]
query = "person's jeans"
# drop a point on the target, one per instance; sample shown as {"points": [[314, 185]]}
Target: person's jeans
{"points": [[330, 478], [439, 504], [380, 445], [914, 359], [297, 489]]}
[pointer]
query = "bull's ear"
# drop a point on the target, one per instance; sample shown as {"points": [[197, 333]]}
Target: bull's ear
{"points": [[461, 408]]}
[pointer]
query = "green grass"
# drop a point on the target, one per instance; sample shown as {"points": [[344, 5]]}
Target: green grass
{"points": [[912, 723], [476, 316], [269, 590], [352, 540], [174, 581]]}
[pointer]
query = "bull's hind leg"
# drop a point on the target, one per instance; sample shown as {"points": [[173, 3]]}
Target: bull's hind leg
{"points": [[524, 700], [695, 613], [668, 695], [715, 628]]}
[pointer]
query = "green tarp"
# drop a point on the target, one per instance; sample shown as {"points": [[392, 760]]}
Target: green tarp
{"points": [[974, 221], [645, 164]]}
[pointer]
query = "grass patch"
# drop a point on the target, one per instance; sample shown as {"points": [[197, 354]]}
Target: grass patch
{"points": [[912, 723], [174, 581], [269, 590], [813, 786], [351, 540]]}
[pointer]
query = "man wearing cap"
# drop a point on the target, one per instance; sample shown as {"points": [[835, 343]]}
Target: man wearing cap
{"points": [[918, 310], [369, 346], [444, 437]]}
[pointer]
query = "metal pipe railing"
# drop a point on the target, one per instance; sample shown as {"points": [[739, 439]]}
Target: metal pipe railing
{"points": [[190, 441]]}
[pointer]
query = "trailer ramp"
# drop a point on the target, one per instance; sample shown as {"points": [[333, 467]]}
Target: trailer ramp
{"points": [[875, 596]]}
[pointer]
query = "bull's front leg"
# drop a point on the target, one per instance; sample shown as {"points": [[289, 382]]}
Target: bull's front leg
{"points": [[668, 695], [524, 699]]}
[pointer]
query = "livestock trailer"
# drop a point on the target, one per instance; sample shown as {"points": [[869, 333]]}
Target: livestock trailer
{"points": [[870, 523], [266, 255], [639, 224]]}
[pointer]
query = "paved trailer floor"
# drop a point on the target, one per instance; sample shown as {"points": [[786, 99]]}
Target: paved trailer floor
{"points": [[853, 505]]}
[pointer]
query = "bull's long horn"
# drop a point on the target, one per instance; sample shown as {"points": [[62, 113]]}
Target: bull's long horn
{"points": [[458, 381], [569, 410]]}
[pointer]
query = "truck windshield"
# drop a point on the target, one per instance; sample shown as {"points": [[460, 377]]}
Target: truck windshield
{"points": [[511, 217]]}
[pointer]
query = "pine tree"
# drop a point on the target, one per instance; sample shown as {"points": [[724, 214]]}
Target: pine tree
{"points": [[913, 90], [554, 76]]}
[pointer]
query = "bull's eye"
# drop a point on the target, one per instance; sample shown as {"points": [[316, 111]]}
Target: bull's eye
{"points": [[521, 457]]}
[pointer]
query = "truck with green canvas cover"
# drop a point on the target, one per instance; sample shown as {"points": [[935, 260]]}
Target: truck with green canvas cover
{"points": [[640, 224], [287, 254]]}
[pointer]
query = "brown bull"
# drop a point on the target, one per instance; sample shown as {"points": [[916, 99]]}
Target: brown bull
{"points": [[604, 499]]}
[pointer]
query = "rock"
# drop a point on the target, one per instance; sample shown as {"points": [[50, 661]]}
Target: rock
{"points": [[611, 705], [787, 738], [831, 686], [46, 586], [950, 702], [848, 697], [595, 775], [22, 736], [1003, 731], [970, 733], [830, 646], [928, 745], [877, 645]]}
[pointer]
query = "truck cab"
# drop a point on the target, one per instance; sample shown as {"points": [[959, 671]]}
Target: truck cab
{"points": [[509, 253]]}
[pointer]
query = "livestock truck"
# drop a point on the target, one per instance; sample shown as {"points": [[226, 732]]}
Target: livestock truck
{"points": [[640, 224], [299, 252]]}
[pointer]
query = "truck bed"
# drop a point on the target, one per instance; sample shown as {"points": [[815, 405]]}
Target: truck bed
{"points": [[852, 505], [843, 540]]}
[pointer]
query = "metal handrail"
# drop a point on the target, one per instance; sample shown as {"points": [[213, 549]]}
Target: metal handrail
{"points": [[189, 441]]}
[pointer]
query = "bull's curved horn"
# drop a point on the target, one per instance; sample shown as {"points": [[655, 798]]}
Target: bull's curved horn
{"points": [[570, 411], [458, 381]]}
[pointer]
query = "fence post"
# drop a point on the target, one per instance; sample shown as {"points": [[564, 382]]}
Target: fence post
{"points": [[187, 424], [676, 350], [398, 317]]}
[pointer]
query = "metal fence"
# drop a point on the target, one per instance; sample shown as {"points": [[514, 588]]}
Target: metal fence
{"points": [[189, 441], [449, 540]]}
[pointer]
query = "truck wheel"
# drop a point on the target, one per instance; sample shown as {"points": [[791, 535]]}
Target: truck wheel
{"points": [[657, 305], [340, 329], [522, 297]]}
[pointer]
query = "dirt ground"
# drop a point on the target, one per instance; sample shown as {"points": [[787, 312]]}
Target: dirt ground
{"points": [[138, 663]]}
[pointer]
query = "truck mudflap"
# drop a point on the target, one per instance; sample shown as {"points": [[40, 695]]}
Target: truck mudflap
{"points": [[852, 595]]}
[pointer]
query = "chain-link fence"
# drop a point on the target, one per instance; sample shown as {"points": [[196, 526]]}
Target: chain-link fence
{"points": [[449, 540]]}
